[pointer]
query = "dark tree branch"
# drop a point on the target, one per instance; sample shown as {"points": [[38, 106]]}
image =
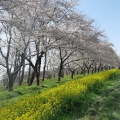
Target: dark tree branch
{"points": [[2, 53]]}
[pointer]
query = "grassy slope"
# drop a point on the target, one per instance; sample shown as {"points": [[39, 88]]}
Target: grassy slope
{"points": [[102, 105], [20, 92]]}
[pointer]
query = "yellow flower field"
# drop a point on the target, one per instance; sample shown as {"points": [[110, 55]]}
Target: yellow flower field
{"points": [[49, 104]]}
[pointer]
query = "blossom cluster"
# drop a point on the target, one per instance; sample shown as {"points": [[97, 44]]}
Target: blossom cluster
{"points": [[54, 102]]}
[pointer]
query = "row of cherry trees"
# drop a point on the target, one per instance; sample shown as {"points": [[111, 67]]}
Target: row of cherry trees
{"points": [[50, 36]]}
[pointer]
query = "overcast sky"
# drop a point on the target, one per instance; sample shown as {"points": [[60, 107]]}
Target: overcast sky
{"points": [[107, 17]]}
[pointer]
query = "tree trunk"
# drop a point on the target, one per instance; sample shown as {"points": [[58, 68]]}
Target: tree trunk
{"points": [[99, 67], [19, 76], [5, 82], [29, 72], [83, 69], [22, 74], [72, 73], [109, 67], [36, 68], [38, 72], [10, 85], [44, 66], [60, 71], [95, 68], [88, 69], [37, 79], [11, 81], [29, 69], [32, 78]]}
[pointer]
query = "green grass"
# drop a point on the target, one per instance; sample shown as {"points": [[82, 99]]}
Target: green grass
{"points": [[102, 105], [21, 92]]}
